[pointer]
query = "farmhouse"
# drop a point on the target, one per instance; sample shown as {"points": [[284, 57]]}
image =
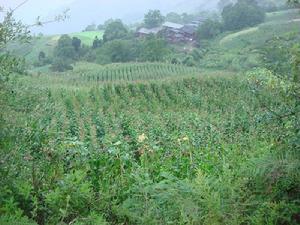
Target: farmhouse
{"points": [[172, 32], [144, 32]]}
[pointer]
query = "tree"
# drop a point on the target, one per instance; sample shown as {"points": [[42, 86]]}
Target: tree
{"points": [[101, 27], [245, 13], [294, 3], [153, 19], [64, 54], [42, 56], [97, 42], [154, 49], [11, 30], [76, 42], [107, 22], [64, 48], [120, 51], [115, 30], [42, 60], [209, 29]]}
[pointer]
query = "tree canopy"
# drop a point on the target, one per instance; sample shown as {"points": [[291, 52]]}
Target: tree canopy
{"points": [[76, 42], [209, 29], [153, 18], [245, 13], [115, 30], [64, 48]]}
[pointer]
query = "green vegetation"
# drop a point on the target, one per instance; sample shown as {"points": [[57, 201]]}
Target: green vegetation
{"points": [[153, 18], [115, 30], [242, 50], [87, 38], [244, 13], [47, 44], [154, 152], [150, 133], [209, 29]]}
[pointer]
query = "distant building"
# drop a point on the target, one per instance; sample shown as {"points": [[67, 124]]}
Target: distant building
{"points": [[144, 32], [172, 26], [189, 32], [172, 32]]}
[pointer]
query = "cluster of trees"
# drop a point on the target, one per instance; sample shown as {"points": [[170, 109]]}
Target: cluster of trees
{"points": [[119, 44], [94, 27], [245, 13], [235, 16], [67, 51], [239, 14], [267, 5]]}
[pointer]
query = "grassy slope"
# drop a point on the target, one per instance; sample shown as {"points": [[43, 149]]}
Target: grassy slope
{"points": [[239, 50], [277, 23], [47, 44]]}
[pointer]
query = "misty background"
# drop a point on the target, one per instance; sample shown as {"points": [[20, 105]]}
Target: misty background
{"points": [[87, 12]]}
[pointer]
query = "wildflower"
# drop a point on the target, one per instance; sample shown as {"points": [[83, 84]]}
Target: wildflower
{"points": [[142, 138], [185, 138]]}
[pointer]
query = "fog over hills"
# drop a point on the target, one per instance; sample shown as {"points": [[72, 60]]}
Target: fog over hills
{"points": [[97, 11]]}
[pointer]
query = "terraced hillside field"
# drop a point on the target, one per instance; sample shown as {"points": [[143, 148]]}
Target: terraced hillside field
{"points": [[88, 74], [143, 144]]}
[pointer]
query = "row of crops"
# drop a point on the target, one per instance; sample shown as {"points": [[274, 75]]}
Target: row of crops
{"points": [[130, 72], [86, 74], [165, 111], [164, 151]]}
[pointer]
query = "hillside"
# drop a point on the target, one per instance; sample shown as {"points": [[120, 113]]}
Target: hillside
{"points": [[250, 40], [241, 50], [139, 132], [47, 43]]}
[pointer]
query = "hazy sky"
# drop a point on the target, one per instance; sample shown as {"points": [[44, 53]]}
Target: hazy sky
{"points": [[84, 12]]}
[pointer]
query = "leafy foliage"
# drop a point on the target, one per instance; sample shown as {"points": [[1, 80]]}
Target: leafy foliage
{"points": [[153, 19], [11, 30], [154, 49], [151, 143], [278, 52], [115, 30], [245, 13], [209, 29]]}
